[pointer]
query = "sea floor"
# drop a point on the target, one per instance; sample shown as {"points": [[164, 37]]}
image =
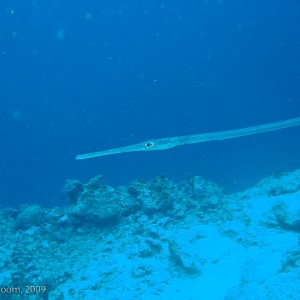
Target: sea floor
{"points": [[156, 240]]}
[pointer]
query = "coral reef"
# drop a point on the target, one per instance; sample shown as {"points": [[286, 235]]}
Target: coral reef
{"points": [[157, 240]]}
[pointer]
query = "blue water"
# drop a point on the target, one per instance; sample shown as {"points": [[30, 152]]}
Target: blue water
{"points": [[83, 76]]}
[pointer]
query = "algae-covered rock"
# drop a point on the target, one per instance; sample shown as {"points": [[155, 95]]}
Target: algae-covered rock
{"points": [[155, 196], [73, 189], [285, 215], [206, 193], [183, 260], [99, 202]]}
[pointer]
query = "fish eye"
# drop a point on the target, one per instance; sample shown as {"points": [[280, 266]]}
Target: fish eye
{"points": [[149, 145]]}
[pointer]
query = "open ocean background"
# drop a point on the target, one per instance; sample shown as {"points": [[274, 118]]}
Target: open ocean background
{"points": [[84, 76]]}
